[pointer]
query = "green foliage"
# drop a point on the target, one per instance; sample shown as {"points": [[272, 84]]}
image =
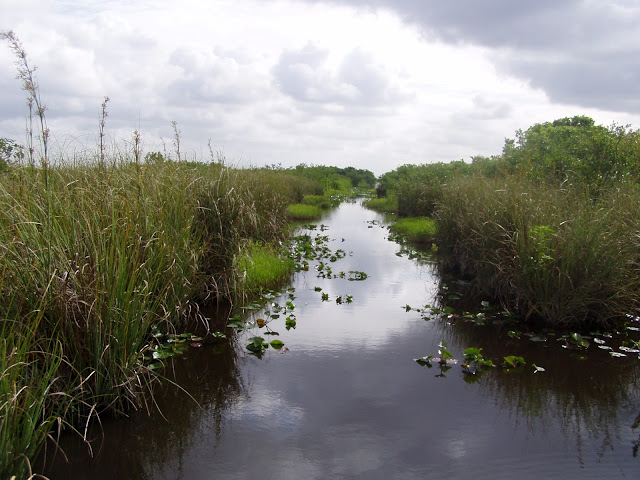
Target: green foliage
{"points": [[10, 153], [301, 211], [554, 255], [512, 361], [262, 267], [94, 260], [547, 228], [575, 150], [335, 178], [155, 158], [388, 204], [415, 229], [474, 356]]}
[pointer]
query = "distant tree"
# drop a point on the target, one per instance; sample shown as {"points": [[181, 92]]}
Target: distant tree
{"points": [[10, 152], [154, 158], [573, 148]]}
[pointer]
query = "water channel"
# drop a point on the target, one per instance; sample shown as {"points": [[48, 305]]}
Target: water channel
{"points": [[345, 398]]}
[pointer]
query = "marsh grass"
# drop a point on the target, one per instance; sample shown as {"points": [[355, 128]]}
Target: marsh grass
{"points": [[415, 229], [262, 266], [301, 211], [91, 258], [388, 204], [320, 201], [564, 256]]}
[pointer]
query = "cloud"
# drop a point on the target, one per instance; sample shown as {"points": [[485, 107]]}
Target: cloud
{"points": [[580, 52], [202, 77], [368, 83], [307, 75]]}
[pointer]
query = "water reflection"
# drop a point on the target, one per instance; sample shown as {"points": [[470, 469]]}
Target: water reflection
{"points": [[138, 446], [348, 401], [590, 396]]}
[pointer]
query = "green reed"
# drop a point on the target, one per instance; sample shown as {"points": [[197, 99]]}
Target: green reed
{"points": [[91, 258], [559, 255]]}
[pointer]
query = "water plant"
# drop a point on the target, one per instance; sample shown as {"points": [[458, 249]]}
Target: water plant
{"points": [[301, 211], [415, 229]]}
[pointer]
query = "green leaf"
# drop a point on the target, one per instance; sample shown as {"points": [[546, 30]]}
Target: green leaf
{"points": [[256, 344], [512, 361], [444, 353], [277, 344], [159, 354], [537, 369]]}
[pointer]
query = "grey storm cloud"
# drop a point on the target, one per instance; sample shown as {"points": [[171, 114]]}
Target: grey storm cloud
{"points": [[578, 52]]}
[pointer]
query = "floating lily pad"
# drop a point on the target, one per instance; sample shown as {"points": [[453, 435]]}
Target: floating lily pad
{"points": [[277, 344]]}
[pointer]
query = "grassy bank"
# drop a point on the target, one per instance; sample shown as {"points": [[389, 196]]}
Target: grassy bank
{"points": [[388, 204], [92, 257], [548, 228], [262, 266], [415, 229], [553, 255]]}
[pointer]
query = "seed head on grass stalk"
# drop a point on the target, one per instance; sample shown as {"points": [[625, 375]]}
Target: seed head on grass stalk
{"points": [[26, 74]]}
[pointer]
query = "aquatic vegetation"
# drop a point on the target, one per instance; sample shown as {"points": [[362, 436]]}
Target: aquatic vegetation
{"points": [[105, 255], [386, 204], [415, 229], [547, 228], [261, 267], [512, 361], [301, 211], [474, 356], [357, 276], [317, 200]]}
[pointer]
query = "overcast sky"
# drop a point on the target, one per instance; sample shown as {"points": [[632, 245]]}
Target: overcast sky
{"points": [[368, 83]]}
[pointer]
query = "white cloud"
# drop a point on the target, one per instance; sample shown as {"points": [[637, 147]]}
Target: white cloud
{"points": [[285, 81]]}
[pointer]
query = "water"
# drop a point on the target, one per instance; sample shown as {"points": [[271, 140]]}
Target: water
{"points": [[348, 401]]}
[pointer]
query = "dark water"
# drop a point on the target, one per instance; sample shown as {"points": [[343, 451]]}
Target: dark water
{"points": [[348, 401]]}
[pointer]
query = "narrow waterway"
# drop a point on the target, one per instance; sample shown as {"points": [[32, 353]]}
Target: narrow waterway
{"points": [[345, 399]]}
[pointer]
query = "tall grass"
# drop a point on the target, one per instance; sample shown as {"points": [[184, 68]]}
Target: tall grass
{"points": [[555, 255], [91, 258], [262, 266], [415, 229]]}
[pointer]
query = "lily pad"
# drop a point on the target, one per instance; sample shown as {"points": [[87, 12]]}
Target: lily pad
{"points": [[277, 344]]}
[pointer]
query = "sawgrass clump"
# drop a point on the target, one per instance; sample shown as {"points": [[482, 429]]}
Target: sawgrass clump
{"points": [[559, 256], [415, 229], [91, 258]]}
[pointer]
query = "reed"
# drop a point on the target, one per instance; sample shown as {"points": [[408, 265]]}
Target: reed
{"points": [[559, 256], [262, 266], [388, 204], [91, 258], [415, 229], [300, 211]]}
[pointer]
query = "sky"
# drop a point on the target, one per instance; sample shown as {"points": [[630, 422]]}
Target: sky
{"points": [[373, 84]]}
